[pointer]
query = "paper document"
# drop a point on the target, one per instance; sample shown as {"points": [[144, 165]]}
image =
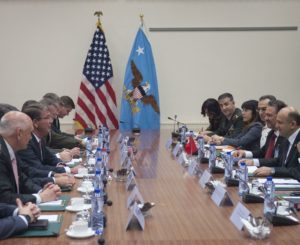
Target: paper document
{"points": [[52, 203], [50, 218]]}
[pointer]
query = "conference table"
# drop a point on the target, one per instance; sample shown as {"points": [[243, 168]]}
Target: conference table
{"points": [[184, 213]]}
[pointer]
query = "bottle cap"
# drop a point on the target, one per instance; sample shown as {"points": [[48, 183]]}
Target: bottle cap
{"points": [[97, 171], [269, 178], [228, 153], [242, 163]]}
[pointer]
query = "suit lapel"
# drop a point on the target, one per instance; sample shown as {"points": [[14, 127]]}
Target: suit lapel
{"points": [[293, 151], [6, 157]]}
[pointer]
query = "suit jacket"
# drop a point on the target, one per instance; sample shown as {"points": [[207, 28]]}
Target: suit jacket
{"points": [[231, 128], [8, 187], [248, 139], [58, 140], [46, 161], [9, 224], [291, 167], [260, 153], [38, 176]]}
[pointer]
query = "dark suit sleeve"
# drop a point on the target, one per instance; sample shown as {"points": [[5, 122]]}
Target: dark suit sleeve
{"points": [[11, 225], [62, 140], [30, 158]]}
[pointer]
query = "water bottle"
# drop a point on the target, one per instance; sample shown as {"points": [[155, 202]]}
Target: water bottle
{"points": [[243, 179], [200, 148], [212, 156], [98, 152], [183, 131], [228, 165], [88, 147], [97, 216], [100, 137], [269, 205], [98, 165], [98, 184]]}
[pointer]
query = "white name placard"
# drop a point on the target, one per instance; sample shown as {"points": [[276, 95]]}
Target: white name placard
{"points": [[204, 178], [240, 211]]}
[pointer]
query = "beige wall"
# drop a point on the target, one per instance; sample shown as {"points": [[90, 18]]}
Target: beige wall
{"points": [[43, 45]]}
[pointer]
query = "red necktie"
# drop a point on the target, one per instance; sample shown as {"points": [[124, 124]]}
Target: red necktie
{"points": [[15, 170], [270, 149]]}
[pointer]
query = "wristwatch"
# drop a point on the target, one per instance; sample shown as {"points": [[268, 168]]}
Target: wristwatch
{"points": [[27, 217]]}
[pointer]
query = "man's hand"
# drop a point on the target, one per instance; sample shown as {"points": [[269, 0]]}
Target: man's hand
{"points": [[29, 209], [50, 193], [263, 171], [239, 153], [298, 147], [75, 151], [65, 180], [248, 162], [65, 155]]}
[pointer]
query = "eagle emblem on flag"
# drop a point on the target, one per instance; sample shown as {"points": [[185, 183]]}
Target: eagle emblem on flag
{"points": [[139, 91]]}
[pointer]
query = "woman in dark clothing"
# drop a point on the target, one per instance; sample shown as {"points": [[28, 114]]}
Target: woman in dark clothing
{"points": [[249, 138]]}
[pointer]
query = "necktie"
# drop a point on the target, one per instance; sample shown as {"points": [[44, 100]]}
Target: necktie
{"points": [[41, 151], [271, 145], [285, 152], [15, 170]]}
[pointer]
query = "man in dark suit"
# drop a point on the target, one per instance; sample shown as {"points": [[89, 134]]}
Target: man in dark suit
{"points": [[286, 164], [15, 219], [57, 139], [15, 131], [37, 154], [273, 142]]}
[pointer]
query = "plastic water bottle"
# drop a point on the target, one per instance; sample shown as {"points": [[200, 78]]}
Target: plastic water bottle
{"points": [[200, 148], [98, 152], [228, 165], [269, 205], [100, 137], [183, 131], [212, 156], [88, 147], [98, 165], [97, 216], [243, 179], [98, 184]]}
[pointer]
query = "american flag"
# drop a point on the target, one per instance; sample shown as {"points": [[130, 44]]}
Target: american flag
{"points": [[96, 104]]}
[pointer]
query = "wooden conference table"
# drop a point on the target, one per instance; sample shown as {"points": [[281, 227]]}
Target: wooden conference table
{"points": [[184, 212]]}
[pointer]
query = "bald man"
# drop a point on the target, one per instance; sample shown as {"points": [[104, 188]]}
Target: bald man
{"points": [[287, 165], [15, 133]]}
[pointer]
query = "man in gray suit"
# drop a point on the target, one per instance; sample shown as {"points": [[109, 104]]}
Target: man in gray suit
{"points": [[14, 219]]}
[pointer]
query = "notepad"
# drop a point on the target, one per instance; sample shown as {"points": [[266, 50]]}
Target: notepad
{"points": [[52, 203], [50, 218]]}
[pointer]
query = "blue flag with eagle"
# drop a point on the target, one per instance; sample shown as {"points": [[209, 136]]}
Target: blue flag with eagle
{"points": [[140, 101]]}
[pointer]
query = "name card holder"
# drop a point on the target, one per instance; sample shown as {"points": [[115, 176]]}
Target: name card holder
{"points": [[206, 176], [135, 214], [168, 144], [124, 156], [192, 170], [239, 212], [182, 159], [130, 182], [221, 197], [176, 150], [135, 196]]}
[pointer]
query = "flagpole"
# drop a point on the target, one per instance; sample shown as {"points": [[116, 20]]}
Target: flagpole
{"points": [[98, 14], [142, 20]]}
